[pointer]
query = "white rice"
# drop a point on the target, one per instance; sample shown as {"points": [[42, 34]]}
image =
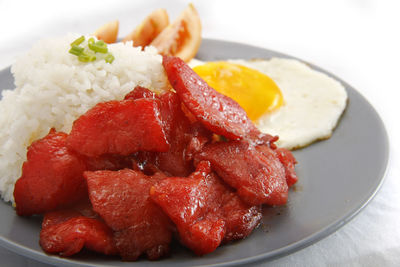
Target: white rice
{"points": [[53, 88]]}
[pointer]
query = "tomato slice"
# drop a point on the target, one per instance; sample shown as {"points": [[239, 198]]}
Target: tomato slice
{"points": [[182, 38], [149, 29], [108, 32]]}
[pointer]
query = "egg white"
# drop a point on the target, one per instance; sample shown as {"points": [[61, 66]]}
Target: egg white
{"points": [[313, 101]]}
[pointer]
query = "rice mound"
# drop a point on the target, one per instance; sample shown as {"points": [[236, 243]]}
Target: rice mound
{"points": [[53, 88]]}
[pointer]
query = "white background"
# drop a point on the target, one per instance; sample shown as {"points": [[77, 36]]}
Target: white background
{"points": [[356, 40]]}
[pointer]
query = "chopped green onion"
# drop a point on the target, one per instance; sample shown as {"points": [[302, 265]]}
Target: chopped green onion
{"points": [[76, 50], [99, 47], [78, 41], [91, 40], [86, 57], [109, 58], [101, 43]]}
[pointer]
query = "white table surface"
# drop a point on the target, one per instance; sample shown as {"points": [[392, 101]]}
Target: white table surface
{"points": [[357, 40]]}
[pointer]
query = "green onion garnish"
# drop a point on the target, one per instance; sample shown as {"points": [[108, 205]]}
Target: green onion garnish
{"points": [[78, 41], [101, 43], [76, 50], [109, 58], [86, 57], [91, 40], [99, 46]]}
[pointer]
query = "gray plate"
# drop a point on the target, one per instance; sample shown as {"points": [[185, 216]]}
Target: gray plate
{"points": [[337, 178]]}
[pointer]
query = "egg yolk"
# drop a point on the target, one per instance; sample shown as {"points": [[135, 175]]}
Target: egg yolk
{"points": [[255, 92]]}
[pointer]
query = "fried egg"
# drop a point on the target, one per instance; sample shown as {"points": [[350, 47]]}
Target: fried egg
{"points": [[283, 97]]}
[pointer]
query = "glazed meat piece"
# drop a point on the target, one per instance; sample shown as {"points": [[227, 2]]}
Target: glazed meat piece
{"points": [[66, 232], [180, 133], [288, 160], [82, 208], [184, 139], [258, 177], [217, 112], [205, 211], [51, 176], [176, 127], [112, 162], [119, 127], [122, 199], [140, 92], [240, 218], [200, 136]]}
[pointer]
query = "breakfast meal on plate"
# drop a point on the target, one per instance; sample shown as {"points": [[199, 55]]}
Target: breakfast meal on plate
{"points": [[124, 147]]}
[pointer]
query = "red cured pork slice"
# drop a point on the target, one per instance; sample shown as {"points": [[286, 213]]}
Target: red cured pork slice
{"points": [[180, 133], [200, 136], [122, 199], [82, 208], [288, 160], [52, 176], [119, 127], [184, 138], [205, 211], [140, 92], [240, 218], [56, 217], [176, 126], [112, 162], [67, 232], [258, 177], [219, 113]]}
